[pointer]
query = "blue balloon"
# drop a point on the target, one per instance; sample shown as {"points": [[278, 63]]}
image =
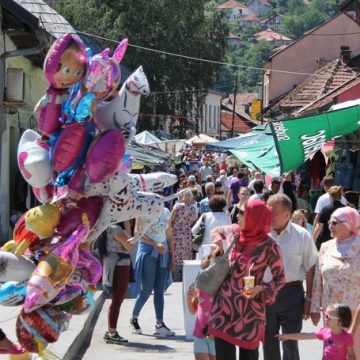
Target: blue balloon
{"points": [[12, 293]]}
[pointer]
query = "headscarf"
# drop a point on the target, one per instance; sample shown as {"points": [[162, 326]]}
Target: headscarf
{"points": [[257, 226], [350, 218]]}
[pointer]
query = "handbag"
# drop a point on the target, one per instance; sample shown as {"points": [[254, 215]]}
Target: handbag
{"points": [[210, 279], [198, 237]]}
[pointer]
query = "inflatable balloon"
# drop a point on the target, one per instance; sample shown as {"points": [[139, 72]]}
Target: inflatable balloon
{"points": [[66, 294], [44, 194], [122, 112], [9, 246], [54, 271], [103, 75], [33, 159], [88, 271], [37, 329], [64, 65], [42, 220], [24, 238], [12, 293], [71, 218], [14, 268], [77, 183], [80, 305], [124, 203], [68, 146], [138, 182], [104, 155]]}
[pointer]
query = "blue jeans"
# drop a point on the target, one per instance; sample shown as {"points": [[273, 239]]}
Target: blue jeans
{"points": [[153, 277]]}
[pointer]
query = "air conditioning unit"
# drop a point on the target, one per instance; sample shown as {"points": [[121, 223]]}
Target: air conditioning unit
{"points": [[15, 85]]}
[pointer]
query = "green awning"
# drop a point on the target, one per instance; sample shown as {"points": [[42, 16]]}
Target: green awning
{"points": [[298, 139], [262, 156]]}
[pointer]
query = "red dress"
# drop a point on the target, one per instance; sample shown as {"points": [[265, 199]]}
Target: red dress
{"points": [[236, 319]]}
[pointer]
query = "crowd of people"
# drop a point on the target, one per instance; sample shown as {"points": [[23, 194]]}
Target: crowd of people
{"points": [[283, 242]]}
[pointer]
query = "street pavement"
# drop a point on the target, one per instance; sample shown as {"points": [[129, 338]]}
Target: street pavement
{"points": [[70, 345], [155, 348]]}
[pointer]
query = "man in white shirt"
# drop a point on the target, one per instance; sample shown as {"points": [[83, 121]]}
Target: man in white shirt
{"points": [[258, 188], [205, 171], [324, 200], [300, 256]]}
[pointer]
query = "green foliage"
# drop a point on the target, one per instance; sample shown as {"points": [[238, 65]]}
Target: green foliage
{"points": [[298, 19], [188, 27]]}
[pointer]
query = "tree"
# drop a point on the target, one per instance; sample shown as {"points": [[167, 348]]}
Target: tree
{"points": [[173, 26]]}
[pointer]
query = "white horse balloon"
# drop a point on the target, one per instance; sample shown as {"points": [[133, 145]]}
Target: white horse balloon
{"points": [[123, 202], [122, 112]]}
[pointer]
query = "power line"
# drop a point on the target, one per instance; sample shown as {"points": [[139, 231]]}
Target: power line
{"points": [[200, 59]]}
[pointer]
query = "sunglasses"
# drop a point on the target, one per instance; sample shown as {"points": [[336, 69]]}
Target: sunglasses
{"points": [[329, 317], [334, 223], [241, 212], [245, 194]]}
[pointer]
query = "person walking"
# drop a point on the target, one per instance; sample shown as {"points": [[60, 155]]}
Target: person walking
{"points": [[338, 343], [238, 313], [199, 303], [215, 217], [182, 218], [153, 266], [300, 256], [244, 195], [337, 273], [116, 276]]}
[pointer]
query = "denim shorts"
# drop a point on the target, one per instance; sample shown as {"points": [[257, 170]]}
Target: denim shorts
{"points": [[204, 345]]}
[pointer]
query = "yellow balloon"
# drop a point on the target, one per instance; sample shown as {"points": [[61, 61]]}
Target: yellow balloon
{"points": [[9, 246], [42, 220]]}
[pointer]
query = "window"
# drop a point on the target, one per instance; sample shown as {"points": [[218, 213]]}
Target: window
{"points": [[215, 117]]}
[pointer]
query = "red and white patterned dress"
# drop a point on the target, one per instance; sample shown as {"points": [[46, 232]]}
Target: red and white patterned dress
{"points": [[236, 319]]}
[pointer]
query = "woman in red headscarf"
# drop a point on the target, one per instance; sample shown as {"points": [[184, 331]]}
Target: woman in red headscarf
{"points": [[238, 313]]}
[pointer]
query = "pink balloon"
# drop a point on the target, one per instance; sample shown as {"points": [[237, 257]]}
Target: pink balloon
{"points": [[104, 155], [76, 184], [89, 267], [69, 145], [54, 271], [71, 218]]}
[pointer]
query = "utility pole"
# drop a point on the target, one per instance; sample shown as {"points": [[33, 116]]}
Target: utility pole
{"points": [[233, 113]]}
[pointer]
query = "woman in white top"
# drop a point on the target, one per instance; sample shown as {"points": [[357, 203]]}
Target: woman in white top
{"points": [[216, 217]]}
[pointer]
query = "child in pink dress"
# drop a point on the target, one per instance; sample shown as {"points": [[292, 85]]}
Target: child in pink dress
{"points": [[200, 303], [338, 343]]}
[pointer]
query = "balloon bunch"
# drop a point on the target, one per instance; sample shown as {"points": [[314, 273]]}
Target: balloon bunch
{"points": [[78, 170]]}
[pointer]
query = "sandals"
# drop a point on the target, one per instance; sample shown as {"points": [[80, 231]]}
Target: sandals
{"points": [[15, 349]]}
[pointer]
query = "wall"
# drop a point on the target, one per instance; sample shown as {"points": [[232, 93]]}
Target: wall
{"points": [[16, 119], [350, 94], [257, 8], [300, 57], [210, 122]]}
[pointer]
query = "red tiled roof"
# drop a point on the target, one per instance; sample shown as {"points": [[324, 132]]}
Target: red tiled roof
{"points": [[330, 97], [250, 18], [241, 126], [232, 4], [324, 81], [270, 35]]}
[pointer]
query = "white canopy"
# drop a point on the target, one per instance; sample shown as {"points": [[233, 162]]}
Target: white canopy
{"points": [[146, 138], [169, 146], [201, 139]]}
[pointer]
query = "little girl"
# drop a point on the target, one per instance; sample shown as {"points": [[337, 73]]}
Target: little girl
{"points": [[338, 343], [200, 303]]}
